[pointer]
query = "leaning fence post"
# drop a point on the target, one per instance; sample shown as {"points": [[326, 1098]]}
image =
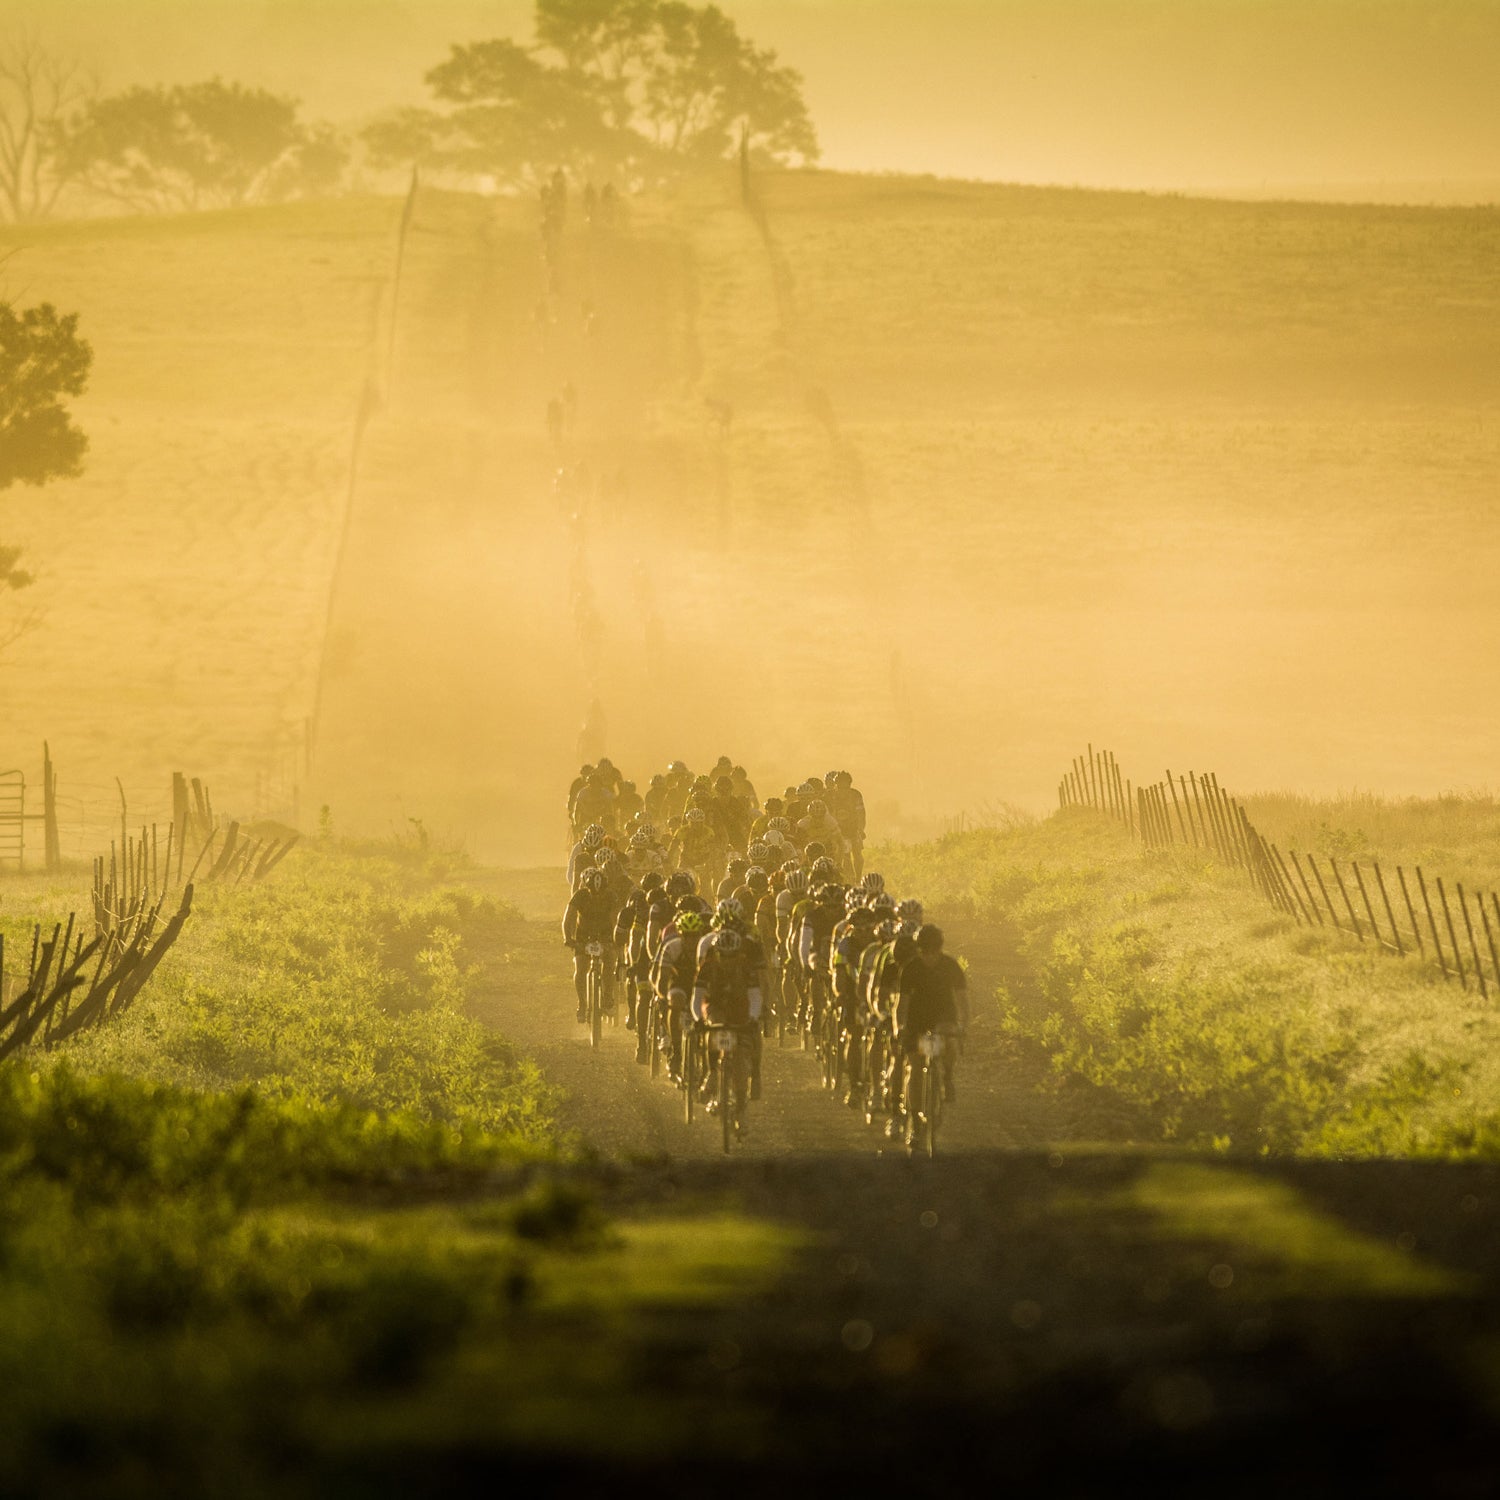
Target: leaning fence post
{"points": [[1411, 911], [1463, 906], [1291, 885], [1302, 876], [1489, 937], [1390, 916], [1312, 865], [1458, 958], [1365, 897]]}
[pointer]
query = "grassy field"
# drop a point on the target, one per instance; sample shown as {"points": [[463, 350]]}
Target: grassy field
{"points": [[183, 580], [1168, 1002], [1006, 468]]}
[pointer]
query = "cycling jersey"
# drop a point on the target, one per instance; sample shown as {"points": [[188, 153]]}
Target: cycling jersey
{"points": [[727, 986], [929, 995], [589, 918]]}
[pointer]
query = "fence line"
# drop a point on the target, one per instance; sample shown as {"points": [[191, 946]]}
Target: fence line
{"points": [[1192, 809]]}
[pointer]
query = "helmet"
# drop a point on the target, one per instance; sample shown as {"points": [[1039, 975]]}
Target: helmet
{"points": [[696, 815], [780, 825], [886, 930], [738, 865], [757, 879], [817, 808], [651, 881], [728, 911], [930, 939], [677, 767], [909, 911], [884, 902], [854, 900], [830, 778], [757, 855], [690, 924], [872, 882], [809, 788], [772, 839], [862, 916], [692, 881], [648, 829], [593, 836], [593, 881], [829, 894], [681, 884], [605, 858], [639, 840], [825, 869], [727, 940], [797, 881]]}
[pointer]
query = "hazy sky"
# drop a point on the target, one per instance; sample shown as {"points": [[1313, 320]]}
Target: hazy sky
{"points": [[1218, 94]]}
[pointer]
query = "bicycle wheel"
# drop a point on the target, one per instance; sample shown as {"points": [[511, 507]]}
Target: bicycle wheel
{"points": [[726, 1099], [653, 1037], [596, 1017], [687, 1076], [932, 1104]]}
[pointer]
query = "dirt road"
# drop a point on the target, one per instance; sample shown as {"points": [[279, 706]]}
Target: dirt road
{"points": [[617, 1107]]}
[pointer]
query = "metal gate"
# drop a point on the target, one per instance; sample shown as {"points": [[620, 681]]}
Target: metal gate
{"points": [[13, 818]]}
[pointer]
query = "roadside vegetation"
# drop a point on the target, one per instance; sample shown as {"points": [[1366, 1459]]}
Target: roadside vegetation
{"points": [[298, 1184], [1170, 1004]]}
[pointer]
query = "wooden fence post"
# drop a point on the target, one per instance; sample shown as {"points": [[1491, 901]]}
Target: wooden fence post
{"points": [[1458, 958], [1463, 906], [1431, 922], [1489, 937], [1365, 897], [1302, 876], [1411, 911], [51, 841], [1390, 916]]}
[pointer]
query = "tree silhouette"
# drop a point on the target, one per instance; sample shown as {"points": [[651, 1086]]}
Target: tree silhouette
{"points": [[41, 93], [42, 361], [202, 145], [641, 88]]}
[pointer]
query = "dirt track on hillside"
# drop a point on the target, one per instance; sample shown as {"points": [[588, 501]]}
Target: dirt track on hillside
{"points": [[615, 1105]]}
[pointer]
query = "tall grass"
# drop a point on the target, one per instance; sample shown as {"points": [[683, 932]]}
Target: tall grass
{"points": [[1173, 1005], [1456, 836], [342, 980]]}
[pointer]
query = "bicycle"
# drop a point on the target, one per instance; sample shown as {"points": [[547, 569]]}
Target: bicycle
{"points": [[924, 1091], [594, 992], [727, 1043]]}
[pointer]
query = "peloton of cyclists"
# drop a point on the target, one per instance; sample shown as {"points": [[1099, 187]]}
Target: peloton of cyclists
{"points": [[718, 911]]}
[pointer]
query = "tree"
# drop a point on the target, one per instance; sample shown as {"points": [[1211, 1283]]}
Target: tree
{"points": [[642, 87], [41, 94], [512, 119], [42, 361], [202, 145]]}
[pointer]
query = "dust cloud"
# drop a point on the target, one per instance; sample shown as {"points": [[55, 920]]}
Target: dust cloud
{"points": [[936, 482]]}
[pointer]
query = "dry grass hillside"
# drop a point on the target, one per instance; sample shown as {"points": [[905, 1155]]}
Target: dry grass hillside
{"points": [[1002, 469]]}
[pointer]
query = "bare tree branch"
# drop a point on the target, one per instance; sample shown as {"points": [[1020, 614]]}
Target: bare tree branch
{"points": [[41, 91]]}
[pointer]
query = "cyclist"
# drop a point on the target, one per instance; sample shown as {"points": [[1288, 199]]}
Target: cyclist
{"points": [[675, 975], [727, 992], [582, 857], [851, 938], [595, 803], [900, 950], [932, 993], [630, 943], [617, 878], [734, 877], [696, 844], [589, 918], [819, 826], [879, 1039], [628, 803]]}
